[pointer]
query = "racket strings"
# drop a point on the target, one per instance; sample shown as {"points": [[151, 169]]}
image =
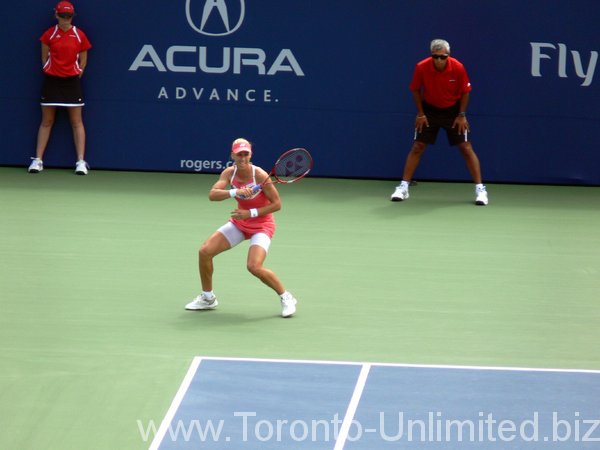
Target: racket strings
{"points": [[293, 165]]}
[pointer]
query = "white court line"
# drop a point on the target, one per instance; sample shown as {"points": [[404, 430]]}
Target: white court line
{"points": [[417, 366], [349, 417], [185, 384]]}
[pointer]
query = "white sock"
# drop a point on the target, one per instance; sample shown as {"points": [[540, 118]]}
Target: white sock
{"points": [[208, 295], [405, 184], [479, 186], [286, 296]]}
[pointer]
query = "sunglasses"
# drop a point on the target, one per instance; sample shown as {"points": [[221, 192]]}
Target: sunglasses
{"points": [[65, 15], [442, 57]]}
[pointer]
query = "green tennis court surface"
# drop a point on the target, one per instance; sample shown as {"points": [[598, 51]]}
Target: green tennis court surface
{"points": [[95, 272]]}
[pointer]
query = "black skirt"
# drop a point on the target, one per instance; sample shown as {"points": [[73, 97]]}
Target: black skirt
{"points": [[59, 91]]}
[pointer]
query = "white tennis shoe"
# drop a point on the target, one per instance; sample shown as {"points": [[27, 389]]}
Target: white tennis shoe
{"points": [[201, 302], [81, 167], [288, 305], [481, 196], [36, 166], [400, 193]]}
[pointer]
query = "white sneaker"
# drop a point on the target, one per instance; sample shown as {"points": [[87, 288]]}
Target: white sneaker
{"points": [[202, 302], [481, 196], [36, 166], [81, 167], [288, 306], [401, 193]]}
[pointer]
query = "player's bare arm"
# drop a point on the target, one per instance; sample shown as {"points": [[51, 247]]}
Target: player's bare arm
{"points": [[421, 119], [45, 53], [219, 191], [461, 123], [272, 194]]}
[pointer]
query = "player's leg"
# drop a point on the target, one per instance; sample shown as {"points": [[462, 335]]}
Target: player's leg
{"points": [[410, 166], [461, 140], [214, 245], [422, 138], [472, 161], [48, 117], [257, 253], [76, 119], [255, 264], [413, 159], [426, 136]]}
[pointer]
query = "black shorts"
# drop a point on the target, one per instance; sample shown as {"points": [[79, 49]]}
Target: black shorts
{"points": [[59, 91], [441, 118]]}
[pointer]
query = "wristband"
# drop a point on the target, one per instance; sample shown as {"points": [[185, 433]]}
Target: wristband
{"points": [[232, 193], [253, 212], [421, 117], [462, 114]]}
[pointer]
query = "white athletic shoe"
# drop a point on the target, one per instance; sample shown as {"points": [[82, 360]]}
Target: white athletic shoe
{"points": [[481, 196], [400, 193], [202, 302], [36, 166], [288, 306], [81, 167]]}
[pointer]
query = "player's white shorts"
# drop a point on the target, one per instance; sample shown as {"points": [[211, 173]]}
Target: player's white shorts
{"points": [[234, 236]]}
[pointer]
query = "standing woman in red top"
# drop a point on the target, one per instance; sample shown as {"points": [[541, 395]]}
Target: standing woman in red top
{"points": [[64, 57]]}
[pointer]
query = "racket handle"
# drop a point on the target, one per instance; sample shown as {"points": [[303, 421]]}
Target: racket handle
{"points": [[256, 188]]}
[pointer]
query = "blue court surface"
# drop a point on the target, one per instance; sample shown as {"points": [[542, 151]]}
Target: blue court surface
{"points": [[227, 403]]}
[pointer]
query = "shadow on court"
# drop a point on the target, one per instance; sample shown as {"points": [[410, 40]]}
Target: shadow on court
{"points": [[220, 318]]}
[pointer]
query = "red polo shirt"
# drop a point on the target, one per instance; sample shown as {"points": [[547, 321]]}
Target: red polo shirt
{"points": [[65, 46], [440, 89]]}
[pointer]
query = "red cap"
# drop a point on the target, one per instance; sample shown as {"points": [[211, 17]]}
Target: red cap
{"points": [[65, 7], [241, 146]]}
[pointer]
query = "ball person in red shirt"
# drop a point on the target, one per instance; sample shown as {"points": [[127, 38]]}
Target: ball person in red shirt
{"points": [[64, 57], [251, 219], [440, 88]]}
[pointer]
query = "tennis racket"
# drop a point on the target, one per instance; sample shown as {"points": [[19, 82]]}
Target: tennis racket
{"points": [[291, 166]]}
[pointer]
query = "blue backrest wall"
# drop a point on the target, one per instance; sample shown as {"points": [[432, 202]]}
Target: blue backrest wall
{"points": [[169, 85]]}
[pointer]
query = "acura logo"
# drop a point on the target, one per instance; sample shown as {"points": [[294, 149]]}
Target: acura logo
{"points": [[216, 19]]}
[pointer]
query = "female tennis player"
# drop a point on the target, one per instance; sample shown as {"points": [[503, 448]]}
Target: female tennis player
{"points": [[252, 219]]}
